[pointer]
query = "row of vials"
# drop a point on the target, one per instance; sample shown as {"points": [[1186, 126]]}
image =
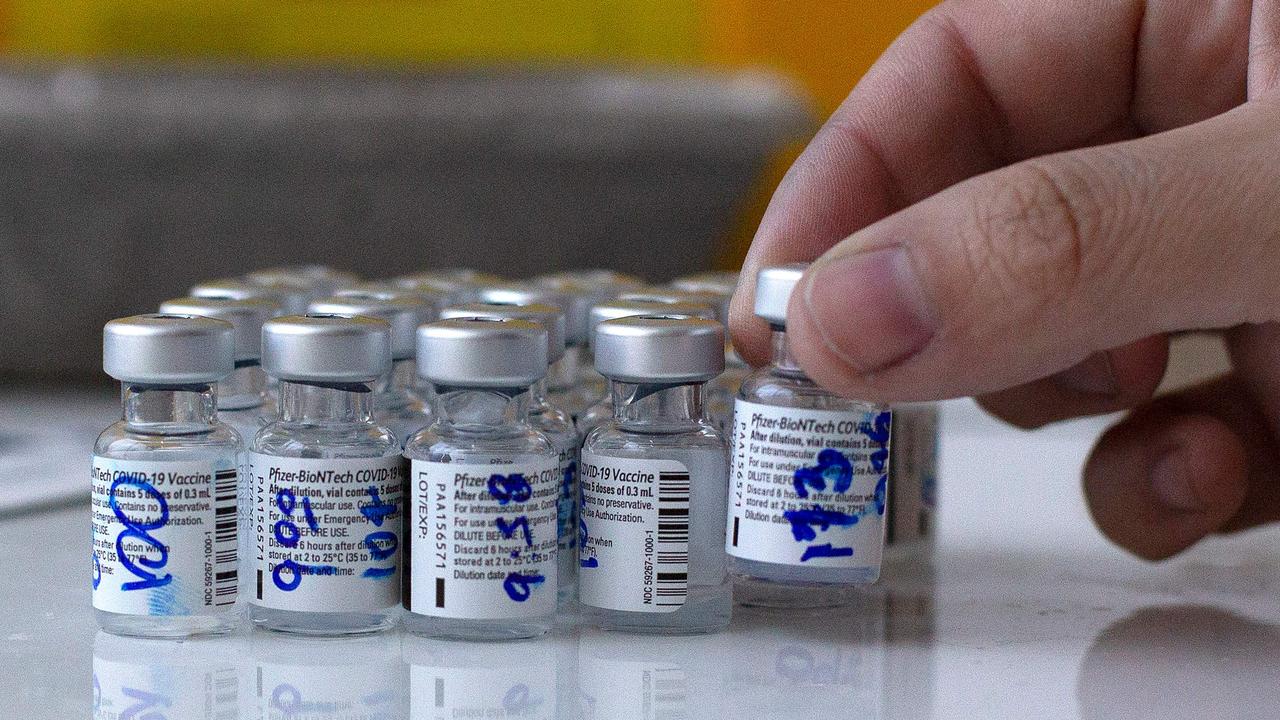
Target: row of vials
{"points": [[470, 456]]}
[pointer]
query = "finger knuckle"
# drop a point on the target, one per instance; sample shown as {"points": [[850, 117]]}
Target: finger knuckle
{"points": [[1028, 233]]}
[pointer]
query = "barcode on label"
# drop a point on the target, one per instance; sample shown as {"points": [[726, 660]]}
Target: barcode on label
{"points": [[672, 550], [225, 520]]}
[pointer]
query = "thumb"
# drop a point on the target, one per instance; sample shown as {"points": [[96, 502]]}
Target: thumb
{"points": [[1023, 272]]}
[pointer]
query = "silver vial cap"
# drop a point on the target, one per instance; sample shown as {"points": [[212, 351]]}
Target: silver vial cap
{"points": [[247, 316], [579, 297], [403, 311], [436, 298], [660, 349], [326, 348], [317, 278], [168, 349], [548, 316], [773, 291], [719, 302], [475, 352], [291, 300], [592, 278], [614, 309]]}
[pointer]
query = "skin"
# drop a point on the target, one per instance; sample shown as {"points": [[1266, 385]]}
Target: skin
{"points": [[1021, 201]]}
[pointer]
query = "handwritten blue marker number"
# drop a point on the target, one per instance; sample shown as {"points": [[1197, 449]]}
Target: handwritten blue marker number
{"points": [[287, 575], [508, 489], [141, 567], [834, 469]]}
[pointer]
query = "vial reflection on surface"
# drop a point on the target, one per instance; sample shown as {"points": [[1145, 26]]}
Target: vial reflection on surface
{"points": [[326, 679], [624, 677], [160, 680], [810, 663], [450, 679]]}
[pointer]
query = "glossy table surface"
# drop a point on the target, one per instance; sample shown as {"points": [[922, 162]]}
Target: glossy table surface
{"points": [[1024, 611]]}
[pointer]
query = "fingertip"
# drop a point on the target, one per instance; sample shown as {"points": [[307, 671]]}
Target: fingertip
{"points": [[1158, 483]]}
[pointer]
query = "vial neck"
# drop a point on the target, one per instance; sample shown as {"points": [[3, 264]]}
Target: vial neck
{"points": [[657, 407], [169, 409], [538, 393], [563, 373], [243, 389], [480, 409], [325, 403], [783, 361], [397, 387]]}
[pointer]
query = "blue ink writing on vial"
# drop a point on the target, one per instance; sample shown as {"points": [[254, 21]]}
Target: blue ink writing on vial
{"points": [[566, 506], [833, 468], [832, 465], [287, 533], [507, 489], [381, 544], [147, 705], [97, 571], [144, 567]]}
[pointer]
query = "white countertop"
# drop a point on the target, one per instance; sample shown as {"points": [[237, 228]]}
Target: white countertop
{"points": [[1026, 612]]}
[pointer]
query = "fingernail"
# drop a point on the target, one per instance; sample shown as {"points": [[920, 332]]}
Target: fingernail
{"points": [[1172, 484], [1091, 376], [869, 308]]}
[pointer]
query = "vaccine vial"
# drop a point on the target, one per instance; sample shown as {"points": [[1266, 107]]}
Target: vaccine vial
{"points": [[463, 285], [552, 421], [721, 391], [484, 487], [808, 480], [586, 288], [610, 282], [326, 482], [654, 482], [291, 301], [396, 401], [601, 410], [569, 378], [913, 482], [318, 280], [164, 502], [242, 395], [723, 285], [562, 381]]}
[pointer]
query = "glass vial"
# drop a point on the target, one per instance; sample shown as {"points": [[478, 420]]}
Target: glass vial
{"points": [[913, 482], [326, 482], [654, 481], [396, 401], [484, 487], [242, 395], [551, 420], [808, 478], [164, 502], [601, 409]]}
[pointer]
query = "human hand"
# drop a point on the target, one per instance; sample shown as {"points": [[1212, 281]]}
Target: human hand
{"points": [[1020, 201]]}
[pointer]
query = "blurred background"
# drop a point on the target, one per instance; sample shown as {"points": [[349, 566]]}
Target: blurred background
{"points": [[149, 144]]}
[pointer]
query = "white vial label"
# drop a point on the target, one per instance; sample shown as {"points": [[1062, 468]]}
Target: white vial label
{"points": [[327, 532], [635, 521], [164, 536], [484, 539], [807, 487]]}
